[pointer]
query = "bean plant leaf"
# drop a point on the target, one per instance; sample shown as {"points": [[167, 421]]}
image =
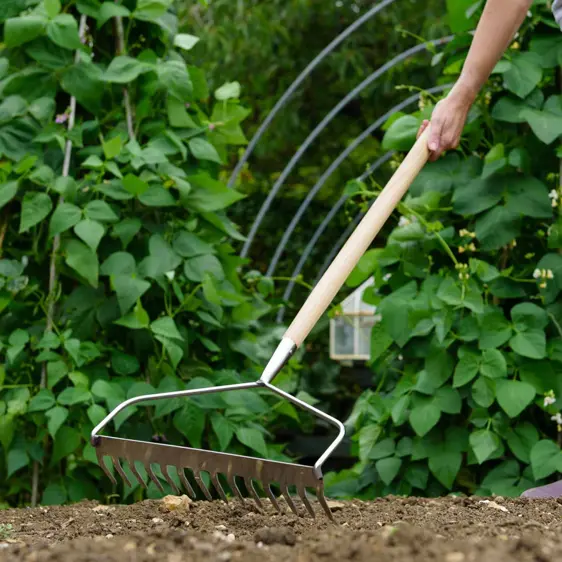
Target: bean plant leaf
{"points": [[63, 31], [124, 69], [445, 466], [388, 469], [91, 232], [36, 206], [185, 41], [546, 459], [23, 29], [523, 74], [8, 192], [484, 443], [493, 364], [65, 216], [466, 369], [252, 438], [514, 396], [424, 417], [530, 344], [521, 440], [83, 260]]}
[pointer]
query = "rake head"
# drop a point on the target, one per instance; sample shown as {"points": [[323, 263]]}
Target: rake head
{"points": [[191, 463]]}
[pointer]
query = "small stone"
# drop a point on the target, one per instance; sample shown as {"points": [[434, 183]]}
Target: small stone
{"points": [[275, 535], [225, 556], [175, 503], [335, 506], [494, 505], [220, 527], [230, 537], [109, 536], [129, 546], [157, 520], [259, 544], [99, 508], [455, 557]]}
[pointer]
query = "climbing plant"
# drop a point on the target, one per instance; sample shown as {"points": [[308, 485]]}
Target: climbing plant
{"points": [[467, 356], [117, 273]]}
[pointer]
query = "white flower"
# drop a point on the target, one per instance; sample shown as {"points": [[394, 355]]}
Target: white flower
{"points": [[557, 418], [386, 277], [553, 194], [170, 275], [549, 274], [24, 261], [400, 358], [404, 221], [548, 400], [355, 8], [537, 274]]}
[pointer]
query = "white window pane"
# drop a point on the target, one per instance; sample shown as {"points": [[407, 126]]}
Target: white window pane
{"points": [[343, 336], [364, 339]]}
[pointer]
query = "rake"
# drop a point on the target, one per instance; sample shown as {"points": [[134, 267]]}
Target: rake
{"points": [[191, 463]]}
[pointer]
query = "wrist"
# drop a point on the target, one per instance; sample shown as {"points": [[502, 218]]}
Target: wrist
{"points": [[465, 91]]}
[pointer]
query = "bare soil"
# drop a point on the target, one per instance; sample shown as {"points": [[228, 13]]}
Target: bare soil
{"points": [[389, 529]]}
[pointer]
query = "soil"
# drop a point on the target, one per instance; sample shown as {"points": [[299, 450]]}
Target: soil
{"points": [[390, 529]]}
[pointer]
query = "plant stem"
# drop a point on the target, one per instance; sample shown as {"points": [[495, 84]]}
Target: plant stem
{"points": [[53, 277], [121, 50]]}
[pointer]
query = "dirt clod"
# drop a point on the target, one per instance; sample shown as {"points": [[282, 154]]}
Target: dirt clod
{"points": [[276, 535], [175, 503], [393, 529]]}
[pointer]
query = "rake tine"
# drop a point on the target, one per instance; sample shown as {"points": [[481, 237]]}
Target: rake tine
{"points": [[103, 465], [119, 469], [288, 499], [201, 485], [153, 478], [172, 484], [234, 487], [218, 487], [185, 483], [252, 490], [136, 473], [302, 493], [271, 496], [322, 501]]}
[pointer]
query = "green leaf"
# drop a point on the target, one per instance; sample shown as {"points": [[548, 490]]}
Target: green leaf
{"points": [[82, 260], [67, 440], [73, 395], [523, 74], [151, 10], [495, 329], [228, 91], [137, 319], [484, 391], [497, 227], [7, 192], [63, 31], [178, 115], [124, 364], [204, 150], [16, 459], [401, 135], [42, 401], [195, 269], [126, 230], [528, 316], [185, 41], [55, 418], [448, 400], [65, 186], [165, 326], [530, 344], [66, 215], [383, 449], [23, 29], [54, 494], [96, 413], [190, 421], [368, 436], [528, 196], [521, 440], [509, 110], [99, 210], [399, 411], [545, 124], [157, 196], [35, 207], [466, 369], [493, 364], [129, 290], [119, 263], [124, 69], [545, 459], [52, 7], [388, 469], [91, 232], [424, 417], [109, 10], [209, 195], [223, 430], [189, 245], [175, 78], [252, 438], [112, 147], [514, 396], [134, 184], [476, 196], [445, 467], [438, 369], [484, 443]]}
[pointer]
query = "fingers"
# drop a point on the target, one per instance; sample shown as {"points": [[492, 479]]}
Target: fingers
{"points": [[422, 128], [434, 143]]}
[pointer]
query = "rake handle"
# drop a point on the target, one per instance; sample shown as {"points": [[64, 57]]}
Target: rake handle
{"points": [[357, 244]]}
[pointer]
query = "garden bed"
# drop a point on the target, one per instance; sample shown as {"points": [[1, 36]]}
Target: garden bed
{"points": [[394, 529]]}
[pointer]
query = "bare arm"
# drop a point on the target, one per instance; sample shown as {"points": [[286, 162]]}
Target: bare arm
{"points": [[499, 22]]}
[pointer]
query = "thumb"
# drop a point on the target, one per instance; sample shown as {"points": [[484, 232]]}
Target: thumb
{"points": [[436, 128]]}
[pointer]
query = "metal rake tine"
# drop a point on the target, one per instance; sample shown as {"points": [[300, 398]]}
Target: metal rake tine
{"points": [[136, 473], [153, 478], [250, 487], [185, 483], [272, 498], [322, 501], [119, 469], [301, 490], [234, 487], [218, 487], [103, 465], [201, 485], [288, 499], [168, 478]]}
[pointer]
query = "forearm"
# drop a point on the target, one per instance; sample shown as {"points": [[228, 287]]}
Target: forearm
{"points": [[498, 24]]}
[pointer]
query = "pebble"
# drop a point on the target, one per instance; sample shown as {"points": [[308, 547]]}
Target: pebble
{"points": [[335, 506], [109, 536], [157, 520], [494, 505], [220, 527], [230, 537], [175, 503]]}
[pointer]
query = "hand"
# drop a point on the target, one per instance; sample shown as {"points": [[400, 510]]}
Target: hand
{"points": [[447, 123]]}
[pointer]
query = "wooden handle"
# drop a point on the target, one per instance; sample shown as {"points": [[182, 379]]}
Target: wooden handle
{"points": [[358, 243]]}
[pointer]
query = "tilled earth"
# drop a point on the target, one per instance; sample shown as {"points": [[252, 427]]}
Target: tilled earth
{"points": [[389, 529]]}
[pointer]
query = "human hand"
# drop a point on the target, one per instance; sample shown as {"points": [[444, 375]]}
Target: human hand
{"points": [[447, 123]]}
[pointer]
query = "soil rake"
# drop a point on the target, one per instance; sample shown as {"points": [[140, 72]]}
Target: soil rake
{"points": [[251, 469]]}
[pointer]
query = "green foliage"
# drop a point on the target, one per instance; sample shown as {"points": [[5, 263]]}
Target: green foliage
{"points": [[467, 352], [119, 278]]}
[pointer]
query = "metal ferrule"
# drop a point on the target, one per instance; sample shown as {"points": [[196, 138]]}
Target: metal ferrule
{"points": [[279, 359]]}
